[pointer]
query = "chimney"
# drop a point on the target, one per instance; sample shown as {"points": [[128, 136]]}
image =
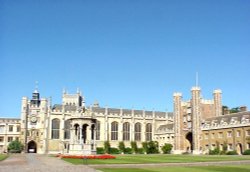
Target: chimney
{"points": [[243, 108], [225, 111]]}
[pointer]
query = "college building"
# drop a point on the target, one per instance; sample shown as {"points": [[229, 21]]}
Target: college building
{"points": [[195, 125]]}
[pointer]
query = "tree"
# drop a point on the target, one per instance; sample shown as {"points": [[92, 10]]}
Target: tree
{"points": [[121, 146], [107, 147], [134, 146], [153, 147], [15, 147], [166, 149]]}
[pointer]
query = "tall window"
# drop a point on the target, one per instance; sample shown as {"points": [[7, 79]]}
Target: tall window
{"points": [[1, 128], [148, 132], [137, 131], [10, 128], [98, 126], [55, 129], [67, 129], [126, 131], [114, 130], [18, 128]]}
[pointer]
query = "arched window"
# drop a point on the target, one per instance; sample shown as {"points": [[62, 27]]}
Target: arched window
{"points": [[114, 130], [67, 129], [98, 126], [126, 131], [137, 131], [149, 132], [55, 133]]}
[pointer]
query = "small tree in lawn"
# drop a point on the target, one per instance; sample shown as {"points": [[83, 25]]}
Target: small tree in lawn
{"points": [[15, 147], [166, 149], [107, 147], [134, 146], [145, 147], [121, 146]]}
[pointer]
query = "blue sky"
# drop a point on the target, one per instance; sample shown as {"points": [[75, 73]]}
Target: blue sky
{"points": [[125, 54]]}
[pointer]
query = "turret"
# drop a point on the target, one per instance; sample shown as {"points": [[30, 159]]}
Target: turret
{"points": [[217, 102], [196, 115]]}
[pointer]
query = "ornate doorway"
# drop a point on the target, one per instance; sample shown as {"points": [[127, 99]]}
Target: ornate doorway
{"points": [[32, 147], [189, 146], [239, 148]]}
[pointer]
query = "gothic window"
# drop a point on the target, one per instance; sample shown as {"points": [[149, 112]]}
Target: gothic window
{"points": [[138, 131], [114, 130], [98, 126], [67, 129], [18, 128], [126, 131], [149, 132], [55, 129]]}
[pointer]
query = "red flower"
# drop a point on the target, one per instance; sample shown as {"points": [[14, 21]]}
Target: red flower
{"points": [[106, 156]]}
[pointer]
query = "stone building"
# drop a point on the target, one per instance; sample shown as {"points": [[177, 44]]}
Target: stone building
{"points": [[200, 124], [194, 126]]}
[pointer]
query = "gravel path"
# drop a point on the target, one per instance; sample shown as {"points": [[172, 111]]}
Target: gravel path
{"points": [[39, 163]]}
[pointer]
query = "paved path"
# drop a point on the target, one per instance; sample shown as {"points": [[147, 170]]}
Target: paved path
{"points": [[39, 163]]}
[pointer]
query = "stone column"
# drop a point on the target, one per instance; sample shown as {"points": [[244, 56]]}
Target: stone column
{"points": [[80, 128], [143, 128]]}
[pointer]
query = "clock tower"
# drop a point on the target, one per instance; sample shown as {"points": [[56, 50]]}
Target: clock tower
{"points": [[33, 123]]}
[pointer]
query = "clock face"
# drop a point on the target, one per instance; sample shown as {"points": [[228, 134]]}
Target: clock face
{"points": [[33, 119]]}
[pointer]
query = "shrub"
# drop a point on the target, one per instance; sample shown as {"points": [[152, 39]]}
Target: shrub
{"points": [[15, 147], [140, 151], [145, 147], [114, 151], [246, 152], [216, 151], [106, 146], [100, 150], [166, 149], [128, 150], [134, 146], [153, 147], [232, 153], [121, 146]]}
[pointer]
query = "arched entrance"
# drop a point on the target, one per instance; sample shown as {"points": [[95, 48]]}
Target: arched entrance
{"points": [[189, 146], [32, 147], [84, 132], [239, 148]]}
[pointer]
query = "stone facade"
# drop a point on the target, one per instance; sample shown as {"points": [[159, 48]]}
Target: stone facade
{"points": [[201, 125], [195, 126]]}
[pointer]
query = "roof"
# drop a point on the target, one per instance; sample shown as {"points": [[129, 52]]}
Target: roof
{"points": [[165, 127]]}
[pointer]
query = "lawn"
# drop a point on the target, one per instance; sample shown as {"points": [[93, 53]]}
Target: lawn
{"points": [[238, 168], [159, 158], [3, 156]]}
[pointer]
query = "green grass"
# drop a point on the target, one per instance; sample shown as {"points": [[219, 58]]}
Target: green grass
{"points": [[159, 158], [3, 157], [238, 168]]}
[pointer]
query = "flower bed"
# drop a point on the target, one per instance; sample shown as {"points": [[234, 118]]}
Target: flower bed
{"points": [[105, 156]]}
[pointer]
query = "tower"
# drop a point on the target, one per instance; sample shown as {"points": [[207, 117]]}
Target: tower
{"points": [[178, 123], [196, 121], [217, 102], [35, 101]]}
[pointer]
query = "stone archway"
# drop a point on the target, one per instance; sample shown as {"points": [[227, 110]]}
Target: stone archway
{"points": [[239, 148], [32, 147], [189, 145], [84, 132]]}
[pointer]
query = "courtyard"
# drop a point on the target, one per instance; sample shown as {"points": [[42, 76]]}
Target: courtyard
{"points": [[122, 163]]}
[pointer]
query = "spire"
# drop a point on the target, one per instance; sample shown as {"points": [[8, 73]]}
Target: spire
{"points": [[197, 79], [36, 87]]}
